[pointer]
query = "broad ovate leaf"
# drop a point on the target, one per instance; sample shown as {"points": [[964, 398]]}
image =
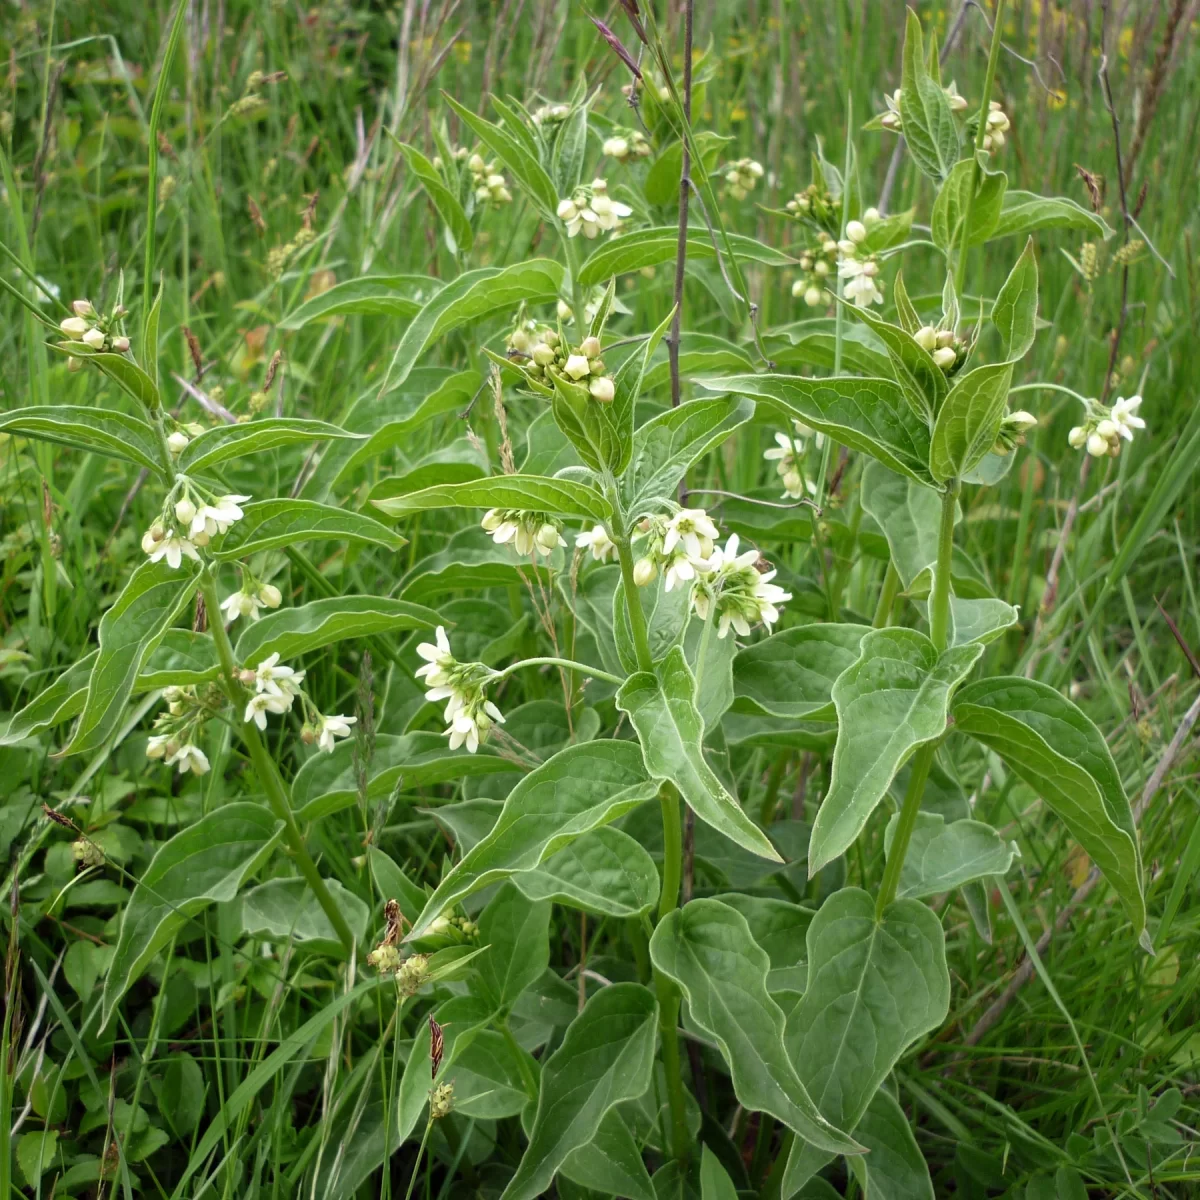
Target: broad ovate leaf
{"points": [[945, 855], [1026, 212], [893, 1167], [791, 674], [969, 420]]}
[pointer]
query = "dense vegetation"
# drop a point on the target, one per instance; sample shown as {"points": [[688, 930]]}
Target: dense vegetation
{"points": [[599, 603]]}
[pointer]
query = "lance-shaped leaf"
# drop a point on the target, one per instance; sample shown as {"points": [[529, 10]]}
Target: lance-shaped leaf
{"points": [[605, 871], [707, 949], [662, 709], [562, 497], [925, 112], [605, 1058], [670, 443], [649, 247], [205, 863], [1025, 212], [969, 420], [129, 631], [893, 699], [945, 855], [269, 524], [950, 205], [874, 987], [290, 632], [870, 415], [893, 1167], [579, 789], [791, 674], [61, 701], [223, 442], [101, 430], [120, 368], [526, 169], [1053, 746], [444, 200], [921, 379], [474, 294], [1015, 311], [369, 295], [715, 1183]]}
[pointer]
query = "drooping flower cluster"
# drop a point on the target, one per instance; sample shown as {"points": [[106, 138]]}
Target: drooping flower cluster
{"points": [[624, 144], [736, 592], [815, 263], [741, 177], [469, 714], [550, 357], [489, 186], [1013, 429], [529, 532], [177, 729], [96, 332], [276, 686], [678, 546], [859, 269], [947, 349], [191, 517], [250, 597], [1104, 428], [590, 210], [787, 454]]}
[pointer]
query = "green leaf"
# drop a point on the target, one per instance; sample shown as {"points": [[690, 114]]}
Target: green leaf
{"points": [[667, 617], [285, 910], [981, 619], [627, 385], [290, 632], [580, 789], [950, 205], [813, 343], [969, 420], [369, 295], [662, 179], [562, 497], [99, 430], [791, 674], [604, 872], [699, 353], [120, 368], [604, 1058], [223, 442], [669, 444], [487, 1078], [473, 561], [871, 415], [36, 1153], [129, 631], [180, 1093], [893, 1167], [1025, 212], [874, 987], [444, 200], [515, 930], [909, 515], [269, 524], [1053, 746], [707, 949], [522, 165], [570, 150], [610, 1163], [183, 658], [649, 247], [893, 699], [943, 856], [61, 701], [926, 118], [920, 378], [1015, 310], [473, 295], [715, 1183], [662, 709], [207, 862]]}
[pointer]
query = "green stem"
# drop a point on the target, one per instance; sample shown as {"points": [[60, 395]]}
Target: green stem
{"points": [[268, 775], [939, 603], [420, 1155], [960, 267], [668, 899], [567, 664], [887, 597], [578, 305], [921, 762], [633, 603]]}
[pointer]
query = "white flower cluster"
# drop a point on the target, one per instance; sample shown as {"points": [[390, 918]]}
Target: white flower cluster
{"points": [[551, 114], [487, 183], [276, 686], [590, 210], [190, 519], [741, 176], [1104, 428], [859, 270], [736, 592], [815, 263], [944, 346], [93, 330], [469, 714], [529, 532], [786, 454], [679, 546], [625, 144], [596, 540], [176, 730]]}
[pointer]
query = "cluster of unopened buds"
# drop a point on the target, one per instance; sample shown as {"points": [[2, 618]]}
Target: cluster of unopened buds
{"points": [[891, 119], [469, 714], [816, 205], [1012, 433], [549, 357], [461, 925], [590, 210], [177, 729], [816, 263], [944, 346], [441, 1101], [86, 853], [489, 186], [624, 144], [1104, 428], [997, 126], [93, 330], [786, 454], [551, 114], [528, 532], [741, 177], [459, 154], [190, 519], [860, 271]]}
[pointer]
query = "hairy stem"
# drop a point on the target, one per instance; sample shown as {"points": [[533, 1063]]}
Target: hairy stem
{"points": [[633, 602]]}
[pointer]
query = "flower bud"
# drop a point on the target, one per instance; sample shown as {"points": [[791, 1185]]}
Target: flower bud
{"points": [[602, 389], [185, 511], [82, 308], [93, 338], [270, 595], [519, 340], [644, 571], [74, 326], [926, 338], [177, 442], [1077, 437], [1097, 446], [870, 217], [476, 164], [201, 538], [120, 344], [567, 210], [542, 355], [945, 337], [548, 537], [590, 346], [1021, 421], [856, 231], [308, 735], [821, 268], [812, 297], [74, 364], [615, 147], [246, 676], [944, 357], [1107, 429], [577, 366]]}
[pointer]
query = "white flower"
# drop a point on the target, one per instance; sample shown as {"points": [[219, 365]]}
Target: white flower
{"points": [[957, 102], [1125, 418], [1021, 421], [265, 702], [694, 530], [860, 281], [577, 366], [438, 659], [598, 541], [548, 538], [74, 327], [240, 604], [190, 758], [602, 389], [156, 746], [1077, 437], [217, 517], [739, 593], [471, 726], [274, 678], [567, 210], [173, 548], [333, 727], [609, 212], [680, 569], [177, 442], [615, 147]]}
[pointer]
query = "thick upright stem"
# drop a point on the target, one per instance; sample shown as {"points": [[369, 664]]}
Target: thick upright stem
{"points": [[939, 603], [633, 603], [268, 775]]}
